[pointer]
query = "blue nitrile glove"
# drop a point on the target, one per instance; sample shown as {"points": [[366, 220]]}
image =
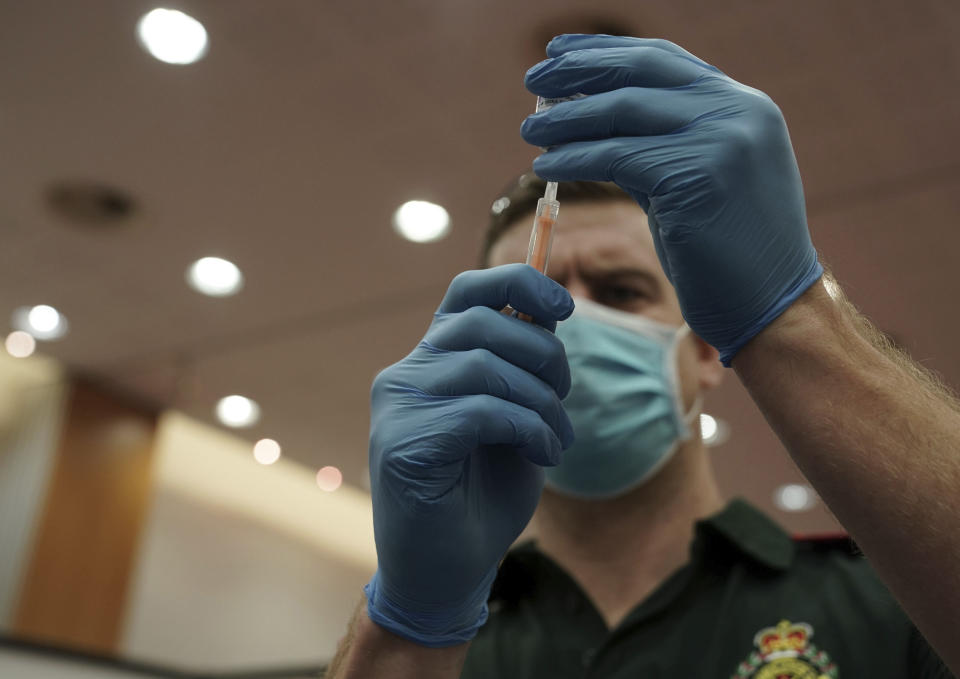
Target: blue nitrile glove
{"points": [[709, 160], [460, 430]]}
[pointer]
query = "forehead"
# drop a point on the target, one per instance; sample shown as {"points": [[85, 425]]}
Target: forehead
{"points": [[610, 234]]}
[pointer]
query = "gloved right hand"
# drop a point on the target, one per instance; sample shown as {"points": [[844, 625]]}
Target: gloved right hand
{"points": [[709, 160], [460, 431]]}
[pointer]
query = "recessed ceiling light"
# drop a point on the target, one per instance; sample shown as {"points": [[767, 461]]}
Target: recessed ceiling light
{"points": [[215, 276], [266, 451], [794, 497], [713, 430], [421, 221], [20, 344], [238, 411], [43, 318], [329, 478], [172, 36], [42, 321]]}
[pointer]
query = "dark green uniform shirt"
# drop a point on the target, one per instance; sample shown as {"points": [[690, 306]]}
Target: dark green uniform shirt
{"points": [[751, 602]]}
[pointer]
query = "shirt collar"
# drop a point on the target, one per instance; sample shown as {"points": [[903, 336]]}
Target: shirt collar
{"points": [[750, 532], [738, 527]]}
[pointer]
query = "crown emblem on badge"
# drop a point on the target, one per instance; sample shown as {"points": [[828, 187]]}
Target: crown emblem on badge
{"points": [[785, 651], [786, 636]]}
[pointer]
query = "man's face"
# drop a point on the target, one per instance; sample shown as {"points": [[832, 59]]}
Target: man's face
{"points": [[604, 251]]}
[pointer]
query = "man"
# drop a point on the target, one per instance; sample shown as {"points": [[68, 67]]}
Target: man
{"points": [[639, 570]]}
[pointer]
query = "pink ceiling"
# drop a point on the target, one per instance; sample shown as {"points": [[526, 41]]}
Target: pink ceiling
{"points": [[288, 147]]}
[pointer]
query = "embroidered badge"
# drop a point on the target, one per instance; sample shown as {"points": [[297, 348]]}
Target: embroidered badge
{"points": [[785, 652]]}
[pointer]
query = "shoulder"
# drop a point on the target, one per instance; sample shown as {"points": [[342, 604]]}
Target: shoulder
{"points": [[833, 558], [826, 543], [833, 568]]}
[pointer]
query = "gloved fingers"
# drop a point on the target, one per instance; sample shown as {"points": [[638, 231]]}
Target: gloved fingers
{"points": [[658, 244], [626, 112], [570, 42], [591, 71], [530, 349], [498, 422], [517, 285], [636, 164], [479, 371]]}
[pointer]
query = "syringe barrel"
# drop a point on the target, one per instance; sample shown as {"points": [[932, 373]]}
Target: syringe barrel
{"points": [[541, 237]]}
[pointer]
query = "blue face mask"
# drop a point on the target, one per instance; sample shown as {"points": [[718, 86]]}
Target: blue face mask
{"points": [[624, 403]]}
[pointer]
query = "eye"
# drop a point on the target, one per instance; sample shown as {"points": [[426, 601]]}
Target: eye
{"points": [[622, 296], [628, 291]]}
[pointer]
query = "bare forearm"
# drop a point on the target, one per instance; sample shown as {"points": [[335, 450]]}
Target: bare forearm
{"points": [[371, 652], [879, 440]]}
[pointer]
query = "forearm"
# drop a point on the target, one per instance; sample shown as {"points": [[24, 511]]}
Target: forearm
{"points": [[370, 652], [880, 441]]}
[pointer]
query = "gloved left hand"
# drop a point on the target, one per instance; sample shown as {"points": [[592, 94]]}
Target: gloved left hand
{"points": [[460, 430], [709, 160]]}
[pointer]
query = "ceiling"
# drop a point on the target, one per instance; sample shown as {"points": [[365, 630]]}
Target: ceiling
{"points": [[288, 147]]}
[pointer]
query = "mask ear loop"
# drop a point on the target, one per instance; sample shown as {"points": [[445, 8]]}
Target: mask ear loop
{"points": [[686, 418], [694, 413]]}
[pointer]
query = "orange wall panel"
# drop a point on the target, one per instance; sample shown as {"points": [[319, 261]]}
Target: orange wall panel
{"points": [[75, 586]]}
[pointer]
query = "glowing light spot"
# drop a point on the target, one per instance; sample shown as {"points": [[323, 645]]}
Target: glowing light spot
{"points": [[708, 427], [266, 451], [237, 411], [172, 36], [329, 478], [794, 497], [43, 318], [43, 322], [499, 205], [713, 430], [20, 344], [215, 277], [421, 222]]}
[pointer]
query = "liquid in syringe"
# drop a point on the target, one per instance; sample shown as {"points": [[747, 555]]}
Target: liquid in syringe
{"points": [[545, 218]]}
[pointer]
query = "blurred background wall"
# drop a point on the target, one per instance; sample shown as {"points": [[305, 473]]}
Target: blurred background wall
{"points": [[162, 539], [240, 565], [31, 408]]}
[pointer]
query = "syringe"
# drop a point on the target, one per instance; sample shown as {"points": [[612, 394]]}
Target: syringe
{"points": [[541, 238]]}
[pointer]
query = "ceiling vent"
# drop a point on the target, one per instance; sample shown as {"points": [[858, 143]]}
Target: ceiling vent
{"points": [[90, 204]]}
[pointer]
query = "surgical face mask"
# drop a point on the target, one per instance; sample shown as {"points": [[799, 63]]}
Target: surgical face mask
{"points": [[625, 402]]}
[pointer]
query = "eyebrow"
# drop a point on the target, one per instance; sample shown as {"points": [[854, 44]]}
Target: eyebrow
{"points": [[595, 276], [598, 274]]}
